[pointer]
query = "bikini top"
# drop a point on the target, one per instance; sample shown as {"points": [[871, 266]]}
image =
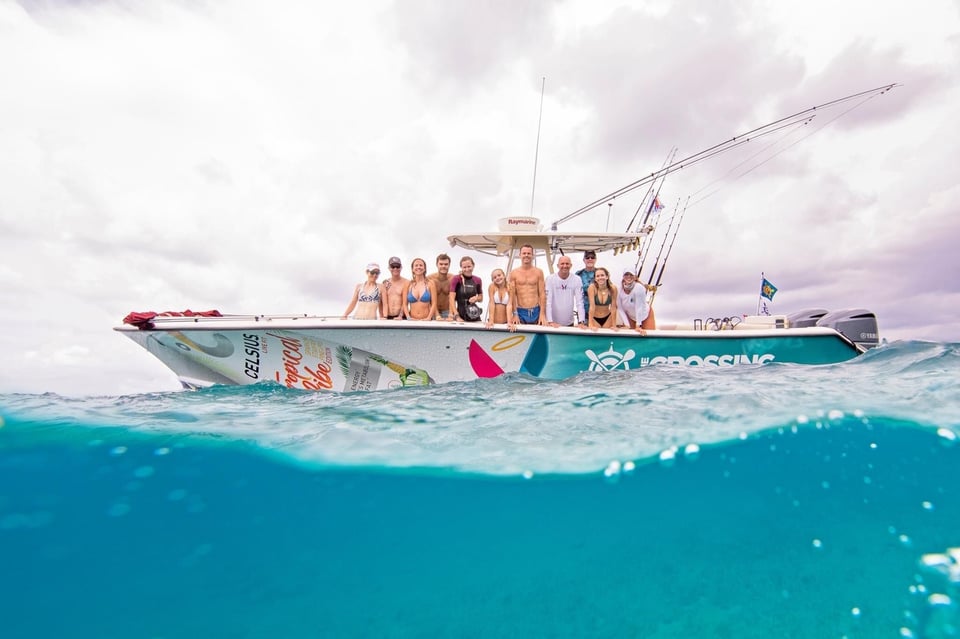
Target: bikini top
{"points": [[500, 300], [423, 298], [363, 296], [597, 302]]}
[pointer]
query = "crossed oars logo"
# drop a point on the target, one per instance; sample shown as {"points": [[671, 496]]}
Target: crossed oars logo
{"points": [[610, 359]]}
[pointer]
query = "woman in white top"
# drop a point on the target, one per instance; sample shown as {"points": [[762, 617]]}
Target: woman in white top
{"points": [[499, 298], [633, 306], [367, 296]]}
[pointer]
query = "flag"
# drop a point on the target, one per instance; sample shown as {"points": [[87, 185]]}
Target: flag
{"points": [[767, 289], [657, 206]]}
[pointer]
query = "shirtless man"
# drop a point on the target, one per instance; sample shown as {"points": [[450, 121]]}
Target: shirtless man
{"points": [[441, 280], [528, 296], [393, 300]]}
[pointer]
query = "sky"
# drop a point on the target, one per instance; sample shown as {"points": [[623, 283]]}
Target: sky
{"points": [[253, 157]]}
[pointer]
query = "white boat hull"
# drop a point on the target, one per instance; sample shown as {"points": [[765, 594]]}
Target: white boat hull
{"points": [[316, 353]]}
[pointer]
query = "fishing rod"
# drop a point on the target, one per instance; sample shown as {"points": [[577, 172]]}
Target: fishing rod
{"points": [[799, 118], [645, 227], [666, 161], [648, 235], [772, 144], [647, 242], [718, 149], [669, 249], [752, 157], [663, 244]]}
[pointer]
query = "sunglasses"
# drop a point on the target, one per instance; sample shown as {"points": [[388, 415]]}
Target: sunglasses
{"points": [[395, 266], [374, 272]]}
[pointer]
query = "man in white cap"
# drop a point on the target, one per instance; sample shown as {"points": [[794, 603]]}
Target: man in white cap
{"points": [[633, 308], [565, 296]]}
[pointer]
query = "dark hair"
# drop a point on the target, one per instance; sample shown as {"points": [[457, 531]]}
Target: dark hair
{"points": [[443, 256], [605, 272]]}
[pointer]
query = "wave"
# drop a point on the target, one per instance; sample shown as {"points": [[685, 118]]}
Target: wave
{"points": [[516, 424]]}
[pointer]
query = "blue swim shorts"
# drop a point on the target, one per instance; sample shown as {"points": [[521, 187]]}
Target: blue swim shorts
{"points": [[529, 315]]}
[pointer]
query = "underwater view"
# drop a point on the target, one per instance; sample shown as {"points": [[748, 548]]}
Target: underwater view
{"points": [[744, 502]]}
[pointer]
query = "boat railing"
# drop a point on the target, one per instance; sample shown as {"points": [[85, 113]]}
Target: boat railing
{"points": [[197, 319]]}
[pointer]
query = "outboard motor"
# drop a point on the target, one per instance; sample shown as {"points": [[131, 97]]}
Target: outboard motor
{"points": [[857, 324], [806, 317]]}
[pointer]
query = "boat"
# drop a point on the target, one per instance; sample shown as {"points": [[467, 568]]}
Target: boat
{"points": [[323, 353]]}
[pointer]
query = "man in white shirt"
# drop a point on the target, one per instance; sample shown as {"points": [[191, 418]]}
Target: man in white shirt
{"points": [[632, 306], [565, 297]]}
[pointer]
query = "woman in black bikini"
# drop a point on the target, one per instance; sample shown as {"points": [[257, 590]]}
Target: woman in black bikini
{"points": [[603, 301]]}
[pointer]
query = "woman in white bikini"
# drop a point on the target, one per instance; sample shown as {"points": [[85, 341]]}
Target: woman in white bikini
{"points": [[499, 298], [366, 296], [420, 294]]}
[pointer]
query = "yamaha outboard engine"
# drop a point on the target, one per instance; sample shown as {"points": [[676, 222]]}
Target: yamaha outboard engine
{"points": [[857, 324], [806, 317]]}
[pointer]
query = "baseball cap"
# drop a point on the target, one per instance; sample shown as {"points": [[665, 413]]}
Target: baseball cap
{"points": [[394, 261], [587, 254], [629, 271], [373, 266]]}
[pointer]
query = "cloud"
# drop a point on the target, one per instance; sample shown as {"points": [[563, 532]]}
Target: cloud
{"points": [[250, 158], [464, 48]]}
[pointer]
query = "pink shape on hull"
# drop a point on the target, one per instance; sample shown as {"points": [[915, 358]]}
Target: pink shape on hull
{"points": [[483, 365]]}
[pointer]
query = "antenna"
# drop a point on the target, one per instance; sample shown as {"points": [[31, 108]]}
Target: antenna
{"points": [[536, 153]]}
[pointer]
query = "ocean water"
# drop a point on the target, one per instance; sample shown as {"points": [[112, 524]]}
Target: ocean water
{"points": [[757, 501]]}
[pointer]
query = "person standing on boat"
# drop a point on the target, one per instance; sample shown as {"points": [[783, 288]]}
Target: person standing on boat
{"points": [[527, 291], [441, 281], [586, 275], [632, 305], [603, 301], [499, 298], [564, 296], [394, 288], [420, 294], [367, 296], [466, 291]]}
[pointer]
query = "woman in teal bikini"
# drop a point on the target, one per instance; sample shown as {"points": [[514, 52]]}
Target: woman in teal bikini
{"points": [[420, 295]]}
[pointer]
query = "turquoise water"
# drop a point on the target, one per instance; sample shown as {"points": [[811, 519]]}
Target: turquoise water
{"points": [[779, 500]]}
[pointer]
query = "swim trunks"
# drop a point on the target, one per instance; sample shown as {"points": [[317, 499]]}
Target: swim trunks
{"points": [[529, 315]]}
